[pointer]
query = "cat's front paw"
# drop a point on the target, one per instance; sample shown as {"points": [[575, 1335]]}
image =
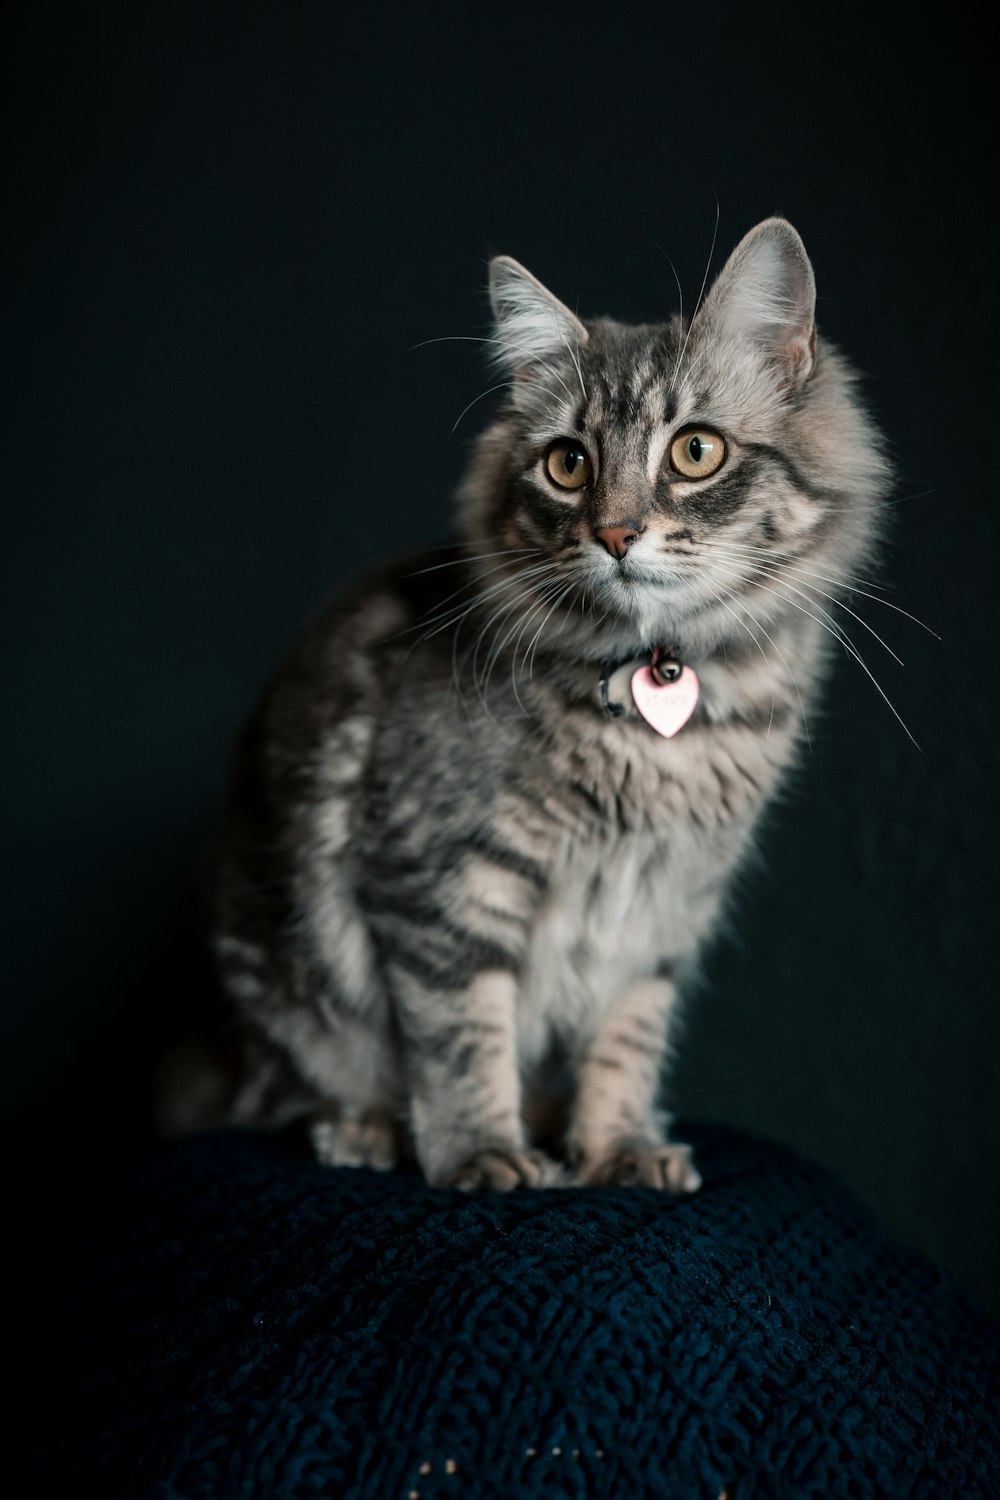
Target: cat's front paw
{"points": [[498, 1170], [641, 1163]]}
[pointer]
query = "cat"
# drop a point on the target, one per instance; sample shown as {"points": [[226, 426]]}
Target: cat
{"points": [[486, 815]]}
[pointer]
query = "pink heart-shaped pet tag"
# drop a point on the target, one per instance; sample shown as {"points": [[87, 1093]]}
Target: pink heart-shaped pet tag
{"points": [[665, 708]]}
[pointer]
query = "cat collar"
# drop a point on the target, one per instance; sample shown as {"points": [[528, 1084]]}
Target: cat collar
{"points": [[665, 691]]}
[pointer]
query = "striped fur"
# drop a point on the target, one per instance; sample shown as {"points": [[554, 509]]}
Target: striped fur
{"points": [[456, 898]]}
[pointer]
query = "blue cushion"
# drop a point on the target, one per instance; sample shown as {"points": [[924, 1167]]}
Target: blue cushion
{"points": [[254, 1325]]}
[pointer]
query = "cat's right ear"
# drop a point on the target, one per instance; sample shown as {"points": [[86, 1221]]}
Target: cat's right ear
{"points": [[531, 327], [765, 294]]}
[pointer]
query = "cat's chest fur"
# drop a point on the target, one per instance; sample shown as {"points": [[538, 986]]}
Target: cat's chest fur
{"points": [[703, 784], [641, 829], [603, 923]]}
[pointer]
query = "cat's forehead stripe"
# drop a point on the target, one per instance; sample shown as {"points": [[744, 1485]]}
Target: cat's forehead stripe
{"points": [[636, 386]]}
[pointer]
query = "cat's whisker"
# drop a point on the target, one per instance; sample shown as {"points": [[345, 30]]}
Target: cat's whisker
{"points": [[439, 623], [456, 675], [697, 306], [442, 609], [456, 619], [455, 338], [517, 640], [493, 621], [482, 679], [472, 652], [501, 345], [697, 365], [497, 649], [479, 575], [464, 544], [441, 613], [796, 567], [677, 279], [467, 338], [572, 354], [460, 562], [760, 648], [904, 499], [771, 572], [458, 613], [532, 645], [588, 588], [498, 357], [528, 352], [840, 635], [791, 675], [500, 386], [556, 376], [789, 558], [777, 572]]}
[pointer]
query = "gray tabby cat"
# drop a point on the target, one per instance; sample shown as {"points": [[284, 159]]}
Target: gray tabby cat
{"points": [[474, 846]]}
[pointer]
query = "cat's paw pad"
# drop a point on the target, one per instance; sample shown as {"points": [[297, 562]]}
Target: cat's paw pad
{"points": [[355, 1143], [500, 1171], [649, 1164]]}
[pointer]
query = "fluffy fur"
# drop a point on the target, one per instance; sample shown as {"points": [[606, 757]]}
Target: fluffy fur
{"points": [[461, 883]]}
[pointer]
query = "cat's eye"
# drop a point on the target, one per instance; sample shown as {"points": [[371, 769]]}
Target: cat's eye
{"points": [[567, 465], [697, 453]]}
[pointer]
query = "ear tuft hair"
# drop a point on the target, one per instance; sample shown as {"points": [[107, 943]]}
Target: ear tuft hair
{"points": [[766, 294], [532, 326]]}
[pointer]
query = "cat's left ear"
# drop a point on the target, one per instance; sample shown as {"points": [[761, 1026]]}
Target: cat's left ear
{"points": [[766, 294], [532, 326]]}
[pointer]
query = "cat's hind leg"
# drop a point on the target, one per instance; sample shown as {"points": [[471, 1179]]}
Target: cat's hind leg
{"points": [[349, 1084], [346, 1137]]}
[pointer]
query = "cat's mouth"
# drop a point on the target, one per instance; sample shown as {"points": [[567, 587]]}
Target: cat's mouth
{"points": [[649, 595], [635, 575], [631, 575]]}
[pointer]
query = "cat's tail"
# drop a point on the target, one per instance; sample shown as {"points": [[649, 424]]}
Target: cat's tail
{"points": [[211, 1078]]}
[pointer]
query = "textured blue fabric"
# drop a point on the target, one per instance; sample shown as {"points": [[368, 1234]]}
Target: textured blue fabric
{"points": [[254, 1325]]}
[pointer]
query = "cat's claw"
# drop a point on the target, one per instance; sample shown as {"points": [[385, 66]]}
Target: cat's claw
{"points": [[500, 1171], [649, 1164]]}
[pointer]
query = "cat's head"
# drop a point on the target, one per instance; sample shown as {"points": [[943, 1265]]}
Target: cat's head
{"points": [[656, 475]]}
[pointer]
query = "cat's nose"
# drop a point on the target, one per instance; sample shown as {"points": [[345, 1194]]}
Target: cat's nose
{"points": [[617, 539]]}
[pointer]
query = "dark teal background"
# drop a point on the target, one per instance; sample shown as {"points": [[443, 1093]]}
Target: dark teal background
{"points": [[231, 231]]}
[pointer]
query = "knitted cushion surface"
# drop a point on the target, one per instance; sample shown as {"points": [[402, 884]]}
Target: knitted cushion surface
{"points": [[250, 1324]]}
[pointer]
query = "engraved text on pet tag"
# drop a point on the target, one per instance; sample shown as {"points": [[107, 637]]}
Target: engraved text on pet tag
{"points": [[667, 706]]}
